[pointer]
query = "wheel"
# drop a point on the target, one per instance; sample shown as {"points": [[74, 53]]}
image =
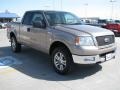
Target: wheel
{"points": [[62, 60], [15, 46]]}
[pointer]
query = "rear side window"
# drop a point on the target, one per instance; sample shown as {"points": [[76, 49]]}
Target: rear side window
{"points": [[27, 19]]}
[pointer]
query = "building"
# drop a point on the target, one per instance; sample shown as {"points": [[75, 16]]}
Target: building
{"points": [[8, 17]]}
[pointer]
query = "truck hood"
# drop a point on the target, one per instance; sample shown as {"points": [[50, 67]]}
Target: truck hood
{"points": [[84, 30]]}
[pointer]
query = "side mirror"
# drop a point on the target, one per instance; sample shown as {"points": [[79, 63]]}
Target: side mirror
{"points": [[39, 24]]}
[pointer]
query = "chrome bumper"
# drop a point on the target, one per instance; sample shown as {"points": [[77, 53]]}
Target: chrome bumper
{"points": [[93, 59]]}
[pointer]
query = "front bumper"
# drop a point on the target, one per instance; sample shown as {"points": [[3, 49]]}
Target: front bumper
{"points": [[94, 58]]}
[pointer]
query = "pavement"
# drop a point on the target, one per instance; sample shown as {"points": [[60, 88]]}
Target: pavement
{"points": [[32, 70]]}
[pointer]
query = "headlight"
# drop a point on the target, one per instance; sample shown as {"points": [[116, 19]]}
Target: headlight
{"points": [[84, 41]]}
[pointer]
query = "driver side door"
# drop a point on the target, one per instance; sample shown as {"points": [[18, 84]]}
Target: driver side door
{"points": [[39, 35]]}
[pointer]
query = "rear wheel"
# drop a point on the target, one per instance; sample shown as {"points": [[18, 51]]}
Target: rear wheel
{"points": [[15, 46], [62, 60]]}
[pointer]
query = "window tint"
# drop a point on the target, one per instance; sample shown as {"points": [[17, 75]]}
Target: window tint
{"points": [[32, 16], [54, 18], [27, 18], [37, 17]]}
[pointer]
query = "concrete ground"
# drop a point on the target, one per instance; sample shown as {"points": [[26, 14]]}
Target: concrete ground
{"points": [[32, 70]]}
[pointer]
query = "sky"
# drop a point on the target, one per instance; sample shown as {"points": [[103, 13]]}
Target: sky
{"points": [[82, 8]]}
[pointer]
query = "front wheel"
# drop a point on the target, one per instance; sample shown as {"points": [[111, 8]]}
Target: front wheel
{"points": [[62, 60], [15, 46]]}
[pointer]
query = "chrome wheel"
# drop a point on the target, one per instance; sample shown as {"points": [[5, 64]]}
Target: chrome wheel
{"points": [[60, 61], [13, 44]]}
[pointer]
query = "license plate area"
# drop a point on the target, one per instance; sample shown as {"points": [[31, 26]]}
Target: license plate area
{"points": [[109, 56]]}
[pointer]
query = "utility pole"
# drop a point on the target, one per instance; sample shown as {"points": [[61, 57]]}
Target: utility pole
{"points": [[53, 4], [112, 9], [86, 7], [61, 4]]}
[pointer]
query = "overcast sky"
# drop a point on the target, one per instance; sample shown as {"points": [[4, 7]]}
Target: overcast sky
{"points": [[82, 8]]}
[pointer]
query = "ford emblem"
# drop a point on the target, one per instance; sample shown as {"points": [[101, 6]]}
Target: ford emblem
{"points": [[107, 40]]}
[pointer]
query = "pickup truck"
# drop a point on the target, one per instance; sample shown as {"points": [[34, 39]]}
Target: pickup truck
{"points": [[61, 35], [115, 27]]}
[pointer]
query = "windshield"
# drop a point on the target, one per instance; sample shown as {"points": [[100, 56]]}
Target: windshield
{"points": [[62, 18]]}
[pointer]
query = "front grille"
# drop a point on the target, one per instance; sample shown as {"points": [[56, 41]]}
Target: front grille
{"points": [[105, 40]]}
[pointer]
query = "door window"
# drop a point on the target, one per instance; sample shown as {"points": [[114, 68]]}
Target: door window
{"points": [[37, 17], [27, 18], [32, 16]]}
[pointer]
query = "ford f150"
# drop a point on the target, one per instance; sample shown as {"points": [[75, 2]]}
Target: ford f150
{"points": [[62, 36]]}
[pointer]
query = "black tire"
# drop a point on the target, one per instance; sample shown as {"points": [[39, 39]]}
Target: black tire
{"points": [[15, 46], [66, 59]]}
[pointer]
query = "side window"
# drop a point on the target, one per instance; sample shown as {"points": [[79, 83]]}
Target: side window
{"points": [[37, 17], [50, 18], [53, 18], [27, 18]]}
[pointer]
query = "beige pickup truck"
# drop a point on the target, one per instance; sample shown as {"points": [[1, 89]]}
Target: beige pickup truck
{"points": [[63, 37]]}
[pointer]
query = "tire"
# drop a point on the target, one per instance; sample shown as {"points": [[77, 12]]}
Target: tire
{"points": [[62, 60], [15, 46]]}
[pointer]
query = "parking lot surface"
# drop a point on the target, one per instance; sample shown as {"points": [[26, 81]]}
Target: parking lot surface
{"points": [[32, 70]]}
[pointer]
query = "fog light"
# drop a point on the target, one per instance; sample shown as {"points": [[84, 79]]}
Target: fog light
{"points": [[90, 59]]}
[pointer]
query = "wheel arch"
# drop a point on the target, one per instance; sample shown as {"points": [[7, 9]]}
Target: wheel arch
{"points": [[12, 34], [58, 44]]}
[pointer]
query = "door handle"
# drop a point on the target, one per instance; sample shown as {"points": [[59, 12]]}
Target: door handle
{"points": [[28, 29]]}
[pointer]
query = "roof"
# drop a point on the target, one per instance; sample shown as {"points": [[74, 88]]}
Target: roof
{"points": [[8, 15], [45, 11]]}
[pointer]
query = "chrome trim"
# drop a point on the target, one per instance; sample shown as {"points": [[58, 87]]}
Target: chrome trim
{"points": [[90, 59]]}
